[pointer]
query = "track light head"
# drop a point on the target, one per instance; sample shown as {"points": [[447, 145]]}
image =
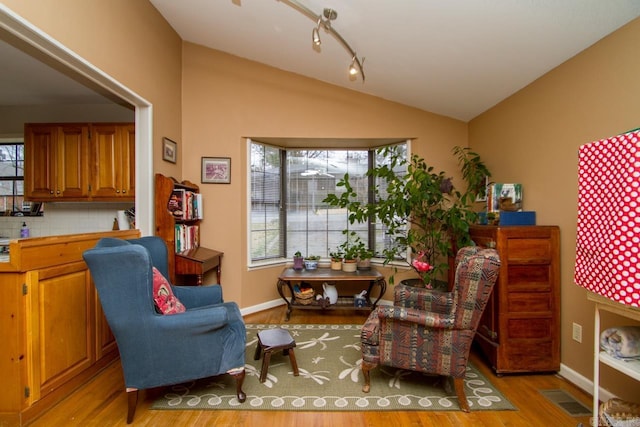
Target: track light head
{"points": [[315, 34], [353, 69]]}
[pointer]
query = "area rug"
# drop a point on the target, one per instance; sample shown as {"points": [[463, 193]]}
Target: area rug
{"points": [[329, 360]]}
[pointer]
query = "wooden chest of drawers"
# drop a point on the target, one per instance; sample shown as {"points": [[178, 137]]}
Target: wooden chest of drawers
{"points": [[520, 328]]}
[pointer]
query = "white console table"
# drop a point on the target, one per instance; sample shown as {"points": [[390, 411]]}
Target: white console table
{"points": [[630, 368]]}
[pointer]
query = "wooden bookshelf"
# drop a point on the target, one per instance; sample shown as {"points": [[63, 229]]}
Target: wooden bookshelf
{"points": [[178, 204]]}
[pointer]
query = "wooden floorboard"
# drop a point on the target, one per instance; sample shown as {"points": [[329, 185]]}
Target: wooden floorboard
{"points": [[103, 401]]}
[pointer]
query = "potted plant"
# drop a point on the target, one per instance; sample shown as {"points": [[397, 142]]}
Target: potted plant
{"points": [[336, 259], [350, 251], [424, 215], [364, 254], [311, 262], [298, 261]]}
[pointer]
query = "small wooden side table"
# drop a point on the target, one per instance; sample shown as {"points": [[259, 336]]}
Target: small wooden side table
{"points": [[195, 262], [271, 340]]}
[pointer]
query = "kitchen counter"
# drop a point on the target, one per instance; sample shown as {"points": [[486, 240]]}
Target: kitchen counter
{"points": [[29, 253]]}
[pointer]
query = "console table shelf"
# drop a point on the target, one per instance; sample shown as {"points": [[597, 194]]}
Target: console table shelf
{"points": [[290, 277]]}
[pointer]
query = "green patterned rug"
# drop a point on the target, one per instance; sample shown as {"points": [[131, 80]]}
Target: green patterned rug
{"points": [[330, 379]]}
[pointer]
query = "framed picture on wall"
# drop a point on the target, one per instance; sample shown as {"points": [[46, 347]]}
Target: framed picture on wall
{"points": [[216, 170], [169, 150]]}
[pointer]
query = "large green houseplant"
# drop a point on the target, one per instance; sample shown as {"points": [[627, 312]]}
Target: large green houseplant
{"points": [[421, 210]]}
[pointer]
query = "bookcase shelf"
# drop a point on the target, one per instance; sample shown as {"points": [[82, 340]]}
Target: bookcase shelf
{"points": [[179, 211], [629, 368]]}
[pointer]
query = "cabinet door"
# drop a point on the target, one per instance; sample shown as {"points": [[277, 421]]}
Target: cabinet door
{"points": [[112, 159], [60, 325], [105, 341], [56, 162], [40, 162], [72, 165], [127, 135]]}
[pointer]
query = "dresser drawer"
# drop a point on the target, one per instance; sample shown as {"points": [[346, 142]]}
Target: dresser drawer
{"points": [[541, 302], [530, 357], [528, 328], [528, 251]]}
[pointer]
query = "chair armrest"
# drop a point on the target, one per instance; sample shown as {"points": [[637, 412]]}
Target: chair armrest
{"points": [[198, 296], [197, 320], [423, 299], [419, 317]]}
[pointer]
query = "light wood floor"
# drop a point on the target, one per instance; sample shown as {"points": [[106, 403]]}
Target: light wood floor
{"points": [[102, 402]]}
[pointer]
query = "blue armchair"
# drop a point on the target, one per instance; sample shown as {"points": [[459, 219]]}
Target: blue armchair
{"points": [[208, 339]]}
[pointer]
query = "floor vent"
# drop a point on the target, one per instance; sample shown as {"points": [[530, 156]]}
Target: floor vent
{"points": [[566, 402]]}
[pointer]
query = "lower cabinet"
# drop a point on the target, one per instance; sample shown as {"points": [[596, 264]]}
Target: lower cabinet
{"points": [[54, 334], [520, 328], [60, 321]]}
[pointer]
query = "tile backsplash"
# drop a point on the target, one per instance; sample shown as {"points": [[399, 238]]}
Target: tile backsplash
{"points": [[64, 218]]}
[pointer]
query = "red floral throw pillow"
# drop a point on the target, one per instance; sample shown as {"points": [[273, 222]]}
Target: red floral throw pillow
{"points": [[163, 296]]}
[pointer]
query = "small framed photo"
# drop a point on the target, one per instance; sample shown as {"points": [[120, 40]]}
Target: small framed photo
{"points": [[216, 170], [169, 150]]}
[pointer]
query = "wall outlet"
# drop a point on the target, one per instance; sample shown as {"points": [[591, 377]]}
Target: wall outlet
{"points": [[577, 332]]}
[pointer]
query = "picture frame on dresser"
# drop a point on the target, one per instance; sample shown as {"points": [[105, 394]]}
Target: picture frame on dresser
{"points": [[216, 170]]}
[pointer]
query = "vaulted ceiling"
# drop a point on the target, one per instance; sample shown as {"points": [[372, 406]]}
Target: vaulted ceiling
{"points": [[455, 58]]}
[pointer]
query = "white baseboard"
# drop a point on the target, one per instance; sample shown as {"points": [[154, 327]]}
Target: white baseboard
{"points": [[261, 307], [583, 383]]}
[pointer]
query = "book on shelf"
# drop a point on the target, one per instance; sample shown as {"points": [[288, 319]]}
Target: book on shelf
{"points": [[185, 205], [187, 237]]}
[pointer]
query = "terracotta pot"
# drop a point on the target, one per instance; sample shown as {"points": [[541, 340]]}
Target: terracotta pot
{"points": [[364, 264], [336, 265], [349, 265]]}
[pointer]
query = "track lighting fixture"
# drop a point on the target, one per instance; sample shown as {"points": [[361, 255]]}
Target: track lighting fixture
{"points": [[315, 34], [357, 65], [352, 68]]}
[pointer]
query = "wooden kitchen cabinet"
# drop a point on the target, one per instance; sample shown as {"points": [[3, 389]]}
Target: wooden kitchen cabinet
{"points": [[54, 335], [56, 162], [61, 323], [520, 327], [113, 157], [79, 161]]}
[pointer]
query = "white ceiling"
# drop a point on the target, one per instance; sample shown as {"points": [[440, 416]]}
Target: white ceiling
{"points": [[452, 57], [457, 58]]}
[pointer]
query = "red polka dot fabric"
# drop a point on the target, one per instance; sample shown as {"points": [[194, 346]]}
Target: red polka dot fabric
{"points": [[608, 237]]}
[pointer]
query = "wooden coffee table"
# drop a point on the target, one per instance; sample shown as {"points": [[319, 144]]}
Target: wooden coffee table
{"points": [[315, 278]]}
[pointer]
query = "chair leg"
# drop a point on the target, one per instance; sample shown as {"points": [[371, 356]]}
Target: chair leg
{"points": [[458, 384], [265, 365], [132, 401], [258, 353], [366, 368], [239, 376]]}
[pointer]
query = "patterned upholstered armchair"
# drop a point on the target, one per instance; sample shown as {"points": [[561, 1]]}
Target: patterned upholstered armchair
{"points": [[204, 337], [432, 331]]}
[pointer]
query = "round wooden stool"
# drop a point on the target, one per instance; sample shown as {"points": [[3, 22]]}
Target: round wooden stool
{"points": [[271, 340]]}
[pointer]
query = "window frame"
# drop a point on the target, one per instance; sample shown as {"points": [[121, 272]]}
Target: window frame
{"points": [[316, 145], [18, 141]]}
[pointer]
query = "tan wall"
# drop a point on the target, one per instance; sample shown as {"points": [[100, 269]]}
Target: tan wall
{"points": [[533, 138], [128, 40], [226, 99]]}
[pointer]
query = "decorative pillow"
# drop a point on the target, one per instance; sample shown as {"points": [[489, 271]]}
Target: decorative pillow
{"points": [[166, 301]]}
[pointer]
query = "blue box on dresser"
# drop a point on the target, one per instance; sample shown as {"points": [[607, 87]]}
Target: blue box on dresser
{"points": [[517, 218]]}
